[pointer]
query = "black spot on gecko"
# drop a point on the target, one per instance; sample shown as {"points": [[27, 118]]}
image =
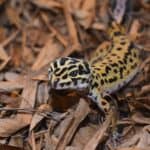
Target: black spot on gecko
{"points": [[113, 79], [63, 60], [121, 73], [56, 70], [107, 69], [110, 60], [118, 57], [115, 71], [97, 69], [61, 72], [55, 64], [104, 63], [134, 54], [71, 67], [125, 58], [104, 74], [96, 77], [83, 70], [113, 54], [101, 50], [65, 76], [95, 85], [106, 80], [131, 46], [122, 43], [131, 60], [87, 68], [121, 62], [114, 65], [102, 82], [83, 80], [119, 48], [134, 65], [124, 67], [117, 33]]}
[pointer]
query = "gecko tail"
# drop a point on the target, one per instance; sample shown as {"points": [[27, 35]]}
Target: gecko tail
{"points": [[116, 29]]}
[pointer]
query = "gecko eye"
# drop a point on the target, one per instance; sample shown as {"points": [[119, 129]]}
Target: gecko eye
{"points": [[73, 73]]}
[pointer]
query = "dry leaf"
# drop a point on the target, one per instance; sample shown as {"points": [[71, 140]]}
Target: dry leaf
{"points": [[4, 63], [100, 134], [9, 126], [11, 76], [54, 30], [48, 4], [3, 54], [13, 16], [140, 119], [16, 56], [71, 25], [134, 30], [79, 115], [141, 140], [37, 117], [85, 15], [10, 86], [8, 147], [47, 54]]}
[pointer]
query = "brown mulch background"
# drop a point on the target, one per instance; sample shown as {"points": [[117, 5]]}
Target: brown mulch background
{"points": [[35, 32]]}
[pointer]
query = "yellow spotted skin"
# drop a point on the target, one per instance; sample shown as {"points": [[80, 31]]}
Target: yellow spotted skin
{"points": [[110, 69]]}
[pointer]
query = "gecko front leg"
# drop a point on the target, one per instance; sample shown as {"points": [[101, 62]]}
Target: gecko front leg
{"points": [[96, 97]]}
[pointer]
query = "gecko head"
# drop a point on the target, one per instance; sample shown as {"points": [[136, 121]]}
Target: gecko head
{"points": [[69, 73]]}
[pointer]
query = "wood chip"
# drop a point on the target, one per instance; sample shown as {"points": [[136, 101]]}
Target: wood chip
{"points": [[47, 4], [9, 126], [79, 115], [54, 30], [71, 25], [86, 13], [10, 86], [100, 134], [47, 54]]}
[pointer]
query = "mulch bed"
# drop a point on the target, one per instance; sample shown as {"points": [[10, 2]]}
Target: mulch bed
{"points": [[33, 33]]}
